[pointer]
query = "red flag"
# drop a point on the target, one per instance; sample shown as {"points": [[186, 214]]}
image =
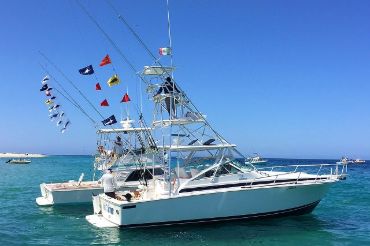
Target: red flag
{"points": [[97, 87], [104, 103], [106, 60], [125, 98]]}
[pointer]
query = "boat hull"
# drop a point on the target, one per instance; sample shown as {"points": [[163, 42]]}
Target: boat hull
{"points": [[19, 162], [242, 203]]}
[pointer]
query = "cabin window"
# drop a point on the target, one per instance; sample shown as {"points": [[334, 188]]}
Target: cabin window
{"points": [[207, 174], [137, 175], [157, 171], [226, 169]]}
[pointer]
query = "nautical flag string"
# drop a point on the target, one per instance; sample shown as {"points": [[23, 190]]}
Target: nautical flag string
{"points": [[54, 107]]}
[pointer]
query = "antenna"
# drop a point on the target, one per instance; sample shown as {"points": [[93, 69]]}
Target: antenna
{"points": [[169, 33]]}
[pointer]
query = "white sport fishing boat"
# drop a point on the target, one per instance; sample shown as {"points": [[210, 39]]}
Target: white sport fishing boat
{"points": [[205, 177], [256, 159], [128, 169]]}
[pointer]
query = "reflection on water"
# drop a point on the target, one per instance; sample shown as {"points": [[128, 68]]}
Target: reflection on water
{"points": [[290, 230]]}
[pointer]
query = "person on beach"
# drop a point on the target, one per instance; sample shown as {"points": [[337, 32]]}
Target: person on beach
{"points": [[109, 183]]}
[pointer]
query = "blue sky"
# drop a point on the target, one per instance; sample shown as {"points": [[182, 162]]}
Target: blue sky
{"points": [[282, 78]]}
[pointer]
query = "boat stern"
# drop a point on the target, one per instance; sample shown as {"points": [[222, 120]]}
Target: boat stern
{"points": [[46, 198], [97, 219]]}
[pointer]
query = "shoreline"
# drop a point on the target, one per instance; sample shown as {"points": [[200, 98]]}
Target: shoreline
{"points": [[21, 155]]}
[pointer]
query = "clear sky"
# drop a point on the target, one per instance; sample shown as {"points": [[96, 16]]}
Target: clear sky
{"points": [[282, 78]]}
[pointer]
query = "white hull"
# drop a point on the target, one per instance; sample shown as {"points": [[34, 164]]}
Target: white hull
{"points": [[68, 193], [225, 204], [20, 162], [72, 193]]}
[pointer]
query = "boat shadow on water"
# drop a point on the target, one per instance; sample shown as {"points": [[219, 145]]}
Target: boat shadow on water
{"points": [[67, 210]]}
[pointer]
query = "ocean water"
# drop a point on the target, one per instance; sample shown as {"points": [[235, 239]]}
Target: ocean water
{"points": [[342, 217]]}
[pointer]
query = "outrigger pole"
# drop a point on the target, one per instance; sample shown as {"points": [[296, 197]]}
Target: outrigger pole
{"points": [[169, 34], [123, 20]]}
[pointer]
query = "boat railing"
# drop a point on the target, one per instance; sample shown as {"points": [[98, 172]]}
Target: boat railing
{"points": [[324, 171]]}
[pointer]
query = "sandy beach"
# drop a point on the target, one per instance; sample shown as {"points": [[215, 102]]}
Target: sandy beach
{"points": [[20, 155]]}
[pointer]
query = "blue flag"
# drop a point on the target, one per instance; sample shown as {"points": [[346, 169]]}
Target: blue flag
{"points": [[109, 121], [44, 87], [87, 70]]}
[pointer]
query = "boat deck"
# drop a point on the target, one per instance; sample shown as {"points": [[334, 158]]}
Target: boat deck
{"points": [[73, 186]]}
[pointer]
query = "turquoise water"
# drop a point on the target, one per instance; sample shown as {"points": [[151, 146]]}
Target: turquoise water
{"points": [[342, 218]]}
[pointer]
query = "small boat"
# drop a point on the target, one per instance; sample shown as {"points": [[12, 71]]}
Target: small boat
{"points": [[19, 161], [345, 160], [129, 168], [77, 192], [255, 159], [359, 161]]}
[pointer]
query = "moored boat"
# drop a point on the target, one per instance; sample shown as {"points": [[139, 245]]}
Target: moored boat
{"points": [[256, 159], [19, 161], [359, 161], [77, 192], [205, 177], [130, 166]]}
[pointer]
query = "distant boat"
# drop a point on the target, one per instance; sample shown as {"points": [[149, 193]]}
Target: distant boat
{"points": [[19, 161], [255, 159], [359, 161], [345, 160]]}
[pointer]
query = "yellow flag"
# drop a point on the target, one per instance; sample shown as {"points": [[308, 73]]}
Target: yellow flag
{"points": [[49, 101], [114, 80]]}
